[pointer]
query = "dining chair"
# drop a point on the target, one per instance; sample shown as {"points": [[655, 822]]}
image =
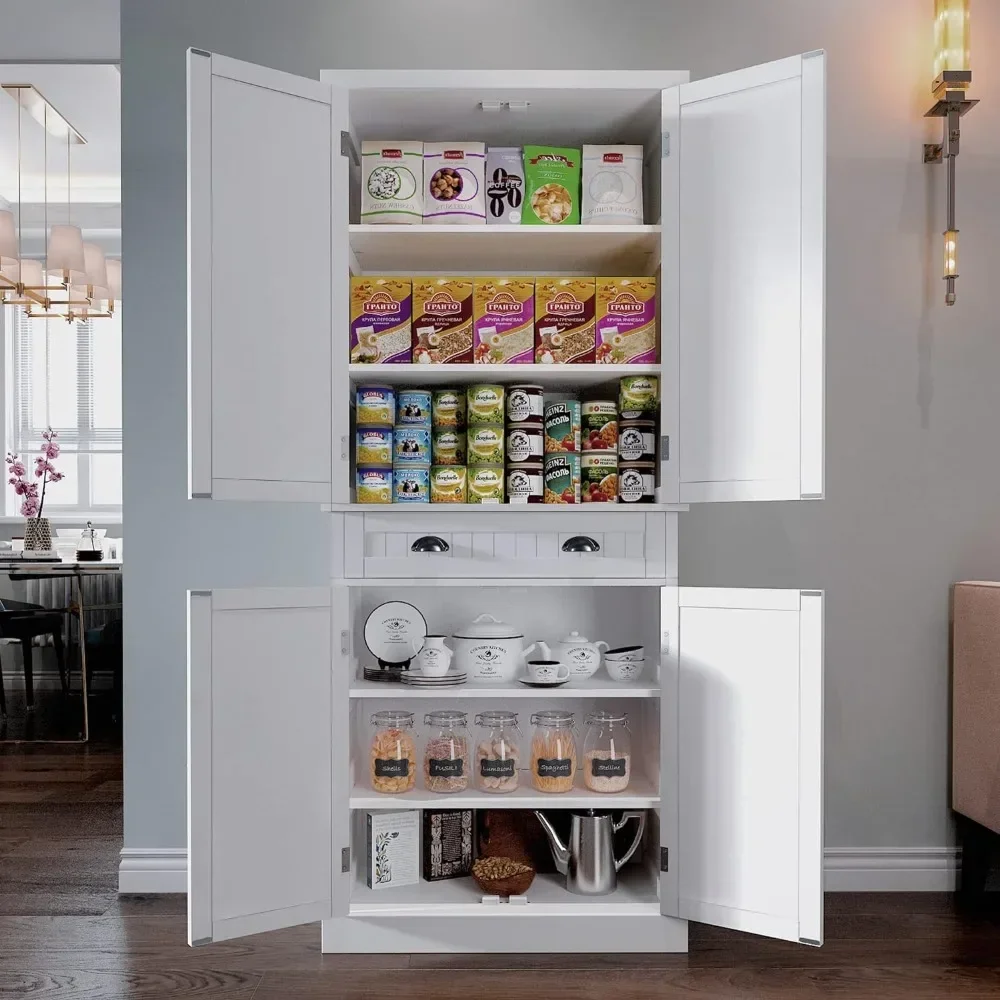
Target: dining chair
{"points": [[24, 622]]}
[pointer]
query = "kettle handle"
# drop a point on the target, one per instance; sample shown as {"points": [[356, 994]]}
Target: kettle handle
{"points": [[626, 816]]}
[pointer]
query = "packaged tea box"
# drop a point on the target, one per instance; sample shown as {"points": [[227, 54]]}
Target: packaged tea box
{"points": [[504, 184], [392, 182], [454, 182], [380, 320], [503, 321], [551, 186], [392, 848], [442, 320], [564, 321], [626, 321], [612, 186]]}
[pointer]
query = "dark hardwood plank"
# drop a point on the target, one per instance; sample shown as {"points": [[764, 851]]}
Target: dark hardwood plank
{"points": [[77, 985]]}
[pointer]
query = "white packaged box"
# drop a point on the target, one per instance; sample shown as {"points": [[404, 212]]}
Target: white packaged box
{"points": [[392, 175], [612, 186], [455, 183], [393, 848]]}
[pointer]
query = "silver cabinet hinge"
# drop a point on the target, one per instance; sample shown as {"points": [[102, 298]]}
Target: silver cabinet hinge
{"points": [[664, 145], [343, 447], [345, 642], [345, 859], [347, 148], [664, 859], [664, 447], [665, 643]]}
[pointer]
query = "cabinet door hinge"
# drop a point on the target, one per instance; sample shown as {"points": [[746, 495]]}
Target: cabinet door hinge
{"points": [[347, 148], [345, 642], [664, 447], [343, 447], [664, 859], [665, 644], [345, 859], [664, 145]]}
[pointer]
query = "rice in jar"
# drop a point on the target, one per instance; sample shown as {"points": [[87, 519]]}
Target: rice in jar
{"points": [[607, 752]]}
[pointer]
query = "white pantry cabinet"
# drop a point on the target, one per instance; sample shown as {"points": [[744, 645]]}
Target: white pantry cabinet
{"points": [[727, 719]]}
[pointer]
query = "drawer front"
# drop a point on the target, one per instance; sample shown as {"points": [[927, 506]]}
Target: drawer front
{"points": [[507, 546]]}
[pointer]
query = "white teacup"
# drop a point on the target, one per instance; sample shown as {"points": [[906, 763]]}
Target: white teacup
{"points": [[546, 671], [624, 671], [624, 653]]}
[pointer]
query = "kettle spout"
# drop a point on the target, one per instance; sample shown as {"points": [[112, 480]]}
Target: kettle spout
{"points": [[560, 853], [544, 650]]}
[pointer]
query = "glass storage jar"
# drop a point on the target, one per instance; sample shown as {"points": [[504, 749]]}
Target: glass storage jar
{"points": [[446, 754], [553, 751], [607, 752], [497, 751], [393, 752]]}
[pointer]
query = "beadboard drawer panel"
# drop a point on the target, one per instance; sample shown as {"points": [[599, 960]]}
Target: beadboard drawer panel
{"points": [[509, 545]]}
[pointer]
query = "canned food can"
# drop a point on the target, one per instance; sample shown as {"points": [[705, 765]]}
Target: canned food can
{"points": [[637, 482], [562, 427], [448, 484], [413, 407], [373, 447], [485, 405], [562, 479], [525, 443], [411, 445], [637, 441], [486, 484], [524, 405], [375, 406], [374, 486], [599, 477], [638, 396], [448, 446], [411, 484], [448, 408], [525, 483], [485, 444], [599, 425]]}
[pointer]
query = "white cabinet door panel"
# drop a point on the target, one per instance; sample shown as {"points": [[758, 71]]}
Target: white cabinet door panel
{"points": [[743, 740], [262, 259], [744, 248], [262, 783]]}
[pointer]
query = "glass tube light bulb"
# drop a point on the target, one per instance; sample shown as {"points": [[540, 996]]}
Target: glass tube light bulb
{"points": [[951, 254], [951, 38]]}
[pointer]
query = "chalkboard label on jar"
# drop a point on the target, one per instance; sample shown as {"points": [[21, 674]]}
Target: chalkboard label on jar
{"points": [[496, 768], [390, 768], [438, 767], [557, 767], [610, 767]]}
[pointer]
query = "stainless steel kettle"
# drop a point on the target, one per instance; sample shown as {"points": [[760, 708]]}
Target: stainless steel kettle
{"points": [[588, 861]]}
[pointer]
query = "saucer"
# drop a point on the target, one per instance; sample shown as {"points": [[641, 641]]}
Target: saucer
{"points": [[542, 684]]}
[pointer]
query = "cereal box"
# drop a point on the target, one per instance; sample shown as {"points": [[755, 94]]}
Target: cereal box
{"points": [[626, 321], [564, 321], [503, 312], [380, 320], [442, 324]]}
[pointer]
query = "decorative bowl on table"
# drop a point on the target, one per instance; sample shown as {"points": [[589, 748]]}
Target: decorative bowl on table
{"points": [[502, 876]]}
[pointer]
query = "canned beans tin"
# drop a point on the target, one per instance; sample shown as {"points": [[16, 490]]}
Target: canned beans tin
{"points": [[374, 486], [411, 445], [638, 395], [448, 408], [637, 441], [562, 427], [562, 478], [524, 405], [485, 404], [448, 446], [411, 484], [375, 406], [600, 425], [637, 482], [599, 477], [448, 484], [486, 484], [373, 447], [485, 445], [413, 407], [525, 443], [525, 483]]}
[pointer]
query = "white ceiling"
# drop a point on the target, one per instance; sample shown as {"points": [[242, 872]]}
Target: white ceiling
{"points": [[89, 97]]}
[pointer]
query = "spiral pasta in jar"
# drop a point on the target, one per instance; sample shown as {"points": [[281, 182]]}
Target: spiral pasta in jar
{"points": [[393, 756], [497, 753], [446, 755], [553, 751]]}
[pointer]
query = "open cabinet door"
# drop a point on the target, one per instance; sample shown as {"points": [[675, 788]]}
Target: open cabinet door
{"points": [[743, 275], [267, 781], [743, 742], [267, 231]]}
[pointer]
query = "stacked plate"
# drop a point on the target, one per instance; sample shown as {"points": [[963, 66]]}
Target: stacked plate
{"points": [[451, 679]]}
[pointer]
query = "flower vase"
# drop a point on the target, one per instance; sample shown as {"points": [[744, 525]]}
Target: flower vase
{"points": [[37, 534]]}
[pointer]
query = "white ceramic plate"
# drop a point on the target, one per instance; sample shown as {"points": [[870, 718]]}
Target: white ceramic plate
{"points": [[542, 684], [391, 629]]}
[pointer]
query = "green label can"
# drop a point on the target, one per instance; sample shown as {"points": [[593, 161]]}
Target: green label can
{"points": [[562, 478], [599, 477], [485, 404], [638, 395], [600, 425], [448, 484], [485, 445], [448, 408], [562, 427], [448, 446], [486, 484]]}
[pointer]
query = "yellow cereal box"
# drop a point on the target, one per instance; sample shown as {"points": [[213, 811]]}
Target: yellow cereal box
{"points": [[503, 317], [564, 321], [380, 320], [442, 320], [626, 321]]}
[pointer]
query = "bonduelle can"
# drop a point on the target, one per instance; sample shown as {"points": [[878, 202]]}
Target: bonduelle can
{"points": [[411, 445], [413, 407], [449, 484], [375, 406], [484, 445], [448, 446], [562, 478], [562, 427], [486, 484], [448, 408], [485, 404], [374, 486], [411, 484], [638, 396]]}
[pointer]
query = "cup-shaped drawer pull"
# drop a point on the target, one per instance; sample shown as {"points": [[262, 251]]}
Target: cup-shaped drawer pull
{"points": [[581, 543], [430, 543]]}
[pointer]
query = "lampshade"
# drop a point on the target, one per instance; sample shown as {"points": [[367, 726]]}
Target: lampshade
{"points": [[114, 282], [8, 239], [94, 271], [951, 38], [32, 274], [66, 249]]}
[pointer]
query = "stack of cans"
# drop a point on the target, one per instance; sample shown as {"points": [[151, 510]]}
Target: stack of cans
{"points": [[411, 447], [449, 476]]}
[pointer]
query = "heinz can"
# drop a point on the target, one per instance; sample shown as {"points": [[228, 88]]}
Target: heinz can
{"points": [[562, 479], [562, 427]]}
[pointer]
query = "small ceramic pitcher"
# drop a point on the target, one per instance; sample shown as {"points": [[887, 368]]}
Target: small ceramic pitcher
{"points": [[433, 657]]}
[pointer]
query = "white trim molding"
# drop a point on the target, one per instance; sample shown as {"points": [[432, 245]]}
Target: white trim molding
{"points": [[143, 870]]}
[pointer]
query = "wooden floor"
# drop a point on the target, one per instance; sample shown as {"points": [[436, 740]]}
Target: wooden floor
{"points": [[64, 933]]}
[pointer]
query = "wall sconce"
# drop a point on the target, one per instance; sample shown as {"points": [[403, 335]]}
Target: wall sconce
{"points": [[952, 77]]}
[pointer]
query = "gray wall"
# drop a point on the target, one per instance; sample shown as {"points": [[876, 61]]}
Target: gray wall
{"points": [[913, 480]]}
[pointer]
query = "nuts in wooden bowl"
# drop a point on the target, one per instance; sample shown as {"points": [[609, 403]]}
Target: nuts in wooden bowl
{"points": [[502, 876]]}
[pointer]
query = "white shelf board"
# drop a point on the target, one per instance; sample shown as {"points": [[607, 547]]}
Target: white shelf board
{"points": [[636, 895], [641, 794], [447, 509], [592, 687], [412, 581], [483, 249], [552, 377]]}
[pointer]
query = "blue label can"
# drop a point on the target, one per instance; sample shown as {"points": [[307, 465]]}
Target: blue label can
{"points": [[411, 445], [411, 484], [413, 407]]}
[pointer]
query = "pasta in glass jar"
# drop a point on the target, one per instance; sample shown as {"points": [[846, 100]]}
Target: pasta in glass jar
{"points": [[497, 751], [393, 757], [446, 755], [553, 751]]}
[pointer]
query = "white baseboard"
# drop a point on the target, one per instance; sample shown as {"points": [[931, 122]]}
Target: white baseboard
{"points": [[848, 869], [144, 871]]}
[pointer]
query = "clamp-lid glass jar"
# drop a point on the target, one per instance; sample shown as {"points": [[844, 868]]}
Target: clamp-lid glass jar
{"points": [[446, 753], [553, 751], [607, 752], [497, 751], [393, 752]]}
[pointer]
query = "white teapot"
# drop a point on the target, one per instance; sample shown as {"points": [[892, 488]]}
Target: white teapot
{"points": [[577, 652]]}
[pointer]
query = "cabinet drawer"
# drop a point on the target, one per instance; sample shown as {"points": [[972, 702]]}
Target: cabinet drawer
{"points": [[509, 545]]}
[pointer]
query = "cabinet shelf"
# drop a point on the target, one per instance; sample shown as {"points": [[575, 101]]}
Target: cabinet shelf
{"points": [[486, 509], [552, 377], [443, 249], [592, 687]]}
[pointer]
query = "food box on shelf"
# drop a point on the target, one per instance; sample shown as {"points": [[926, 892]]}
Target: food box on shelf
{"points": [[504, 321], [448, 843], [626, 321], [564, 320], [442, 321], [380, 320], [393, 848]]}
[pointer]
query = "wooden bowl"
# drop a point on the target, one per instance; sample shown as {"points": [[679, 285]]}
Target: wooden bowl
{"points": [[513, 885]]}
